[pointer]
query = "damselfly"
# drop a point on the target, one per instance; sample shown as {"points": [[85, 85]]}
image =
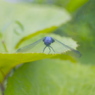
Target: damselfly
{"points": [[48, 45]]}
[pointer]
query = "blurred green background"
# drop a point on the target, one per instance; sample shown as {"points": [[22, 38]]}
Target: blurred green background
{"points": [[57, 76]]}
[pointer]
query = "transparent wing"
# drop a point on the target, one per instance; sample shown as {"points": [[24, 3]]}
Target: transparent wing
{"points": [[59, 47], [34, 47], [55, 47]]}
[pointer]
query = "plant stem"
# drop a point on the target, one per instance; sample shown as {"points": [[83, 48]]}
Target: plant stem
{"points": [[2, 88], [4, 46], [1, 84]]}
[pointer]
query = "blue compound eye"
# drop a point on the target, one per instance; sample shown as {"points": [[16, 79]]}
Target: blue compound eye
{"points": [[48, 45], [48, 40]]}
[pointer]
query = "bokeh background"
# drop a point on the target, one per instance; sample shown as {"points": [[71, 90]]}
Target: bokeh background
{"points": [[57, 76]]}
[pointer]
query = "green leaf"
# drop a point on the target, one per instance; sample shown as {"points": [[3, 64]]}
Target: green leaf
{"points": [[58, 47], [70, 5], [9, 61], [73, 5], [34, 18], [34, 34], [52, 77], [82, 29], [25, 21]]}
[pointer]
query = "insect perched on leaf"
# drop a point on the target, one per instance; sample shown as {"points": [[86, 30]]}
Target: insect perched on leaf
{"points": [[50, 45]]}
